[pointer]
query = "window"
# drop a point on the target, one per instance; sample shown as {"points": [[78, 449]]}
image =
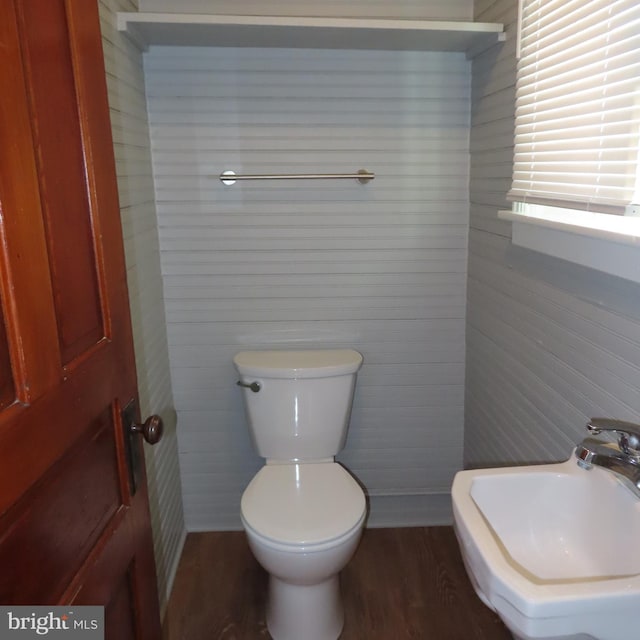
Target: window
{"points": [[577, 138], [577, 135]]}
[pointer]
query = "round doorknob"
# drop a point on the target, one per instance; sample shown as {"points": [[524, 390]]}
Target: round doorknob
{"points": [[151, 430]]}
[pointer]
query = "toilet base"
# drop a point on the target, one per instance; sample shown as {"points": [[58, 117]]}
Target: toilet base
{"points": [[312, 612]]}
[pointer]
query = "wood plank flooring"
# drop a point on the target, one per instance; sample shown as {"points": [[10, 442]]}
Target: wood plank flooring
{"points": [[401, 584]]}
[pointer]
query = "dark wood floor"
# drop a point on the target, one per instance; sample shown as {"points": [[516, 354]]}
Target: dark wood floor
{"points": [[401, 584]]}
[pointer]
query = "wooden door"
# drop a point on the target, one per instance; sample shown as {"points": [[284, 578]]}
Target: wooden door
{"points": [[73, 527]]}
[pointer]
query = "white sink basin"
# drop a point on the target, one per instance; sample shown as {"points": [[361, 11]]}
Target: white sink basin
{"points": [[552, 549]]}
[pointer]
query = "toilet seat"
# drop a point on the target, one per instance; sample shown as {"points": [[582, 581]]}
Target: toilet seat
{"points": [[303, 505]]}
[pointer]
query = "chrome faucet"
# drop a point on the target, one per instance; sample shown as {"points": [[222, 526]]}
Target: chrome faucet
{"points": [[623, 460]]}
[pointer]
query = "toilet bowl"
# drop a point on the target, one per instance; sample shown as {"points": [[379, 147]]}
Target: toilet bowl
{"points": [[303, 523], [303, 513]]}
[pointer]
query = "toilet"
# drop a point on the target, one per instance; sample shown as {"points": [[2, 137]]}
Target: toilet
{"points": [[303, 513]]}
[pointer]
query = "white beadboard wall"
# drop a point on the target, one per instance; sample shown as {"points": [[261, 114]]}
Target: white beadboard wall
{"points": [[549, 344], [417, 9], [135, 183], [378, 267]]}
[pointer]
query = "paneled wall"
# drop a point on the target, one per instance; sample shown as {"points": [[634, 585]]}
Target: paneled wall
{"points": [[135, 184], [549, 344], [378, 267], [425, 9]]}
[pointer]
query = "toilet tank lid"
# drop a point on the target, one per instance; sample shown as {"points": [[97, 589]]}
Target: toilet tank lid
{"points": [[310, 363]]}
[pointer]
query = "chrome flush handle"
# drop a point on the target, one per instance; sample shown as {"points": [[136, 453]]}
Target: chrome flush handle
{"points": [[254, 386]]}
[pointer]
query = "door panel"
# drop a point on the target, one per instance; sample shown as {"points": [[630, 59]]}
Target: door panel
{"points": [[70, 529], [52, 97], [54, 526], [25, 284]]}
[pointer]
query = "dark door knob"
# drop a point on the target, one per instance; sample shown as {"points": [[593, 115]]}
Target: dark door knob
{"points": [[151, 430]]}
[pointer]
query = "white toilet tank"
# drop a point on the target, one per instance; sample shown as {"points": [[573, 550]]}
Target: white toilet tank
{"points": [[302, 409]]}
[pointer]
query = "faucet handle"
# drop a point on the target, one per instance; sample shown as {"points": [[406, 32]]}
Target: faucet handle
{"points": [[628, 433]]}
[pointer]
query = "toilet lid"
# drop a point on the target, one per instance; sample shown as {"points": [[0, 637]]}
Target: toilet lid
{"points": [[303, 503]]}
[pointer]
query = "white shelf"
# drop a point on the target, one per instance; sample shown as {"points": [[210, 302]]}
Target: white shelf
{"points": [[302, 32]]}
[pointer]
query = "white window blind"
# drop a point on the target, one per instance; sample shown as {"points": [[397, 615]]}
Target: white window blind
{"points": [[577, 138]]}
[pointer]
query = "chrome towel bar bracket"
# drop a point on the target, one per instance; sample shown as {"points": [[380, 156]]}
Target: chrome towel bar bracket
{"points": [[363, 176]]}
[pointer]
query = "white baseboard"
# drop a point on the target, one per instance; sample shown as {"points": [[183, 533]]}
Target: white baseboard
{"points": [[423, 510], [171, 575]]}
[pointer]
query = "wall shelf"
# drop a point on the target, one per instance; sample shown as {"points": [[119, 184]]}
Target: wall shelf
{"points": [[178, 29]]}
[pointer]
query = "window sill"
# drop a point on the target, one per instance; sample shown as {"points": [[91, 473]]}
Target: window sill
{"points": [[605, 243]]}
